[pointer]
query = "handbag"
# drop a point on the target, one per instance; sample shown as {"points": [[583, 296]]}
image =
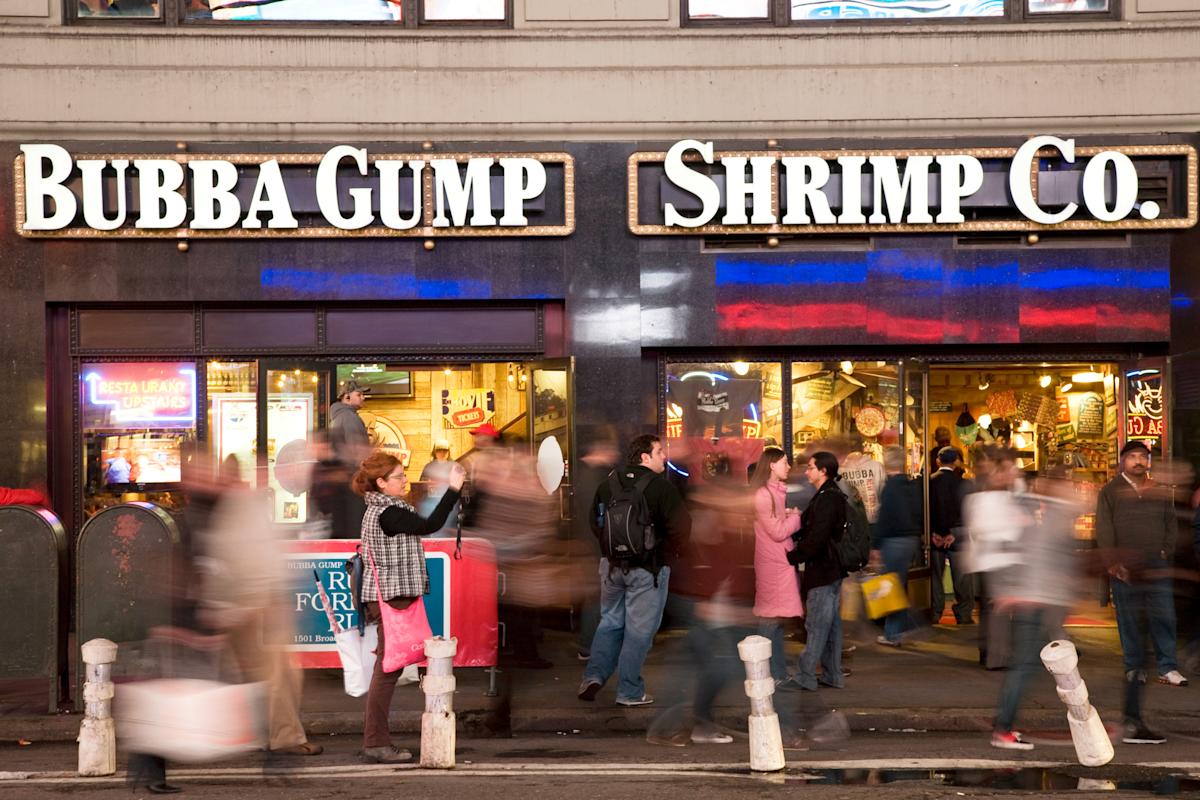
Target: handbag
{"points": [[883, 595], [404, 630], [357, 652]]}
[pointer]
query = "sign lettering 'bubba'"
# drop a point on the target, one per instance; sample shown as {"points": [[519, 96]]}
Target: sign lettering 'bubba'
{"points": [[461, 198]]}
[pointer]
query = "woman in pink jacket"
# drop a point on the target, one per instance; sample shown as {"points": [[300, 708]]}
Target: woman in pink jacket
{"points": [[776, 588]]}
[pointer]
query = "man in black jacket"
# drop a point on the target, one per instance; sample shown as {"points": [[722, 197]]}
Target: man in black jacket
{"points": [[634, 593], [947, 488]]}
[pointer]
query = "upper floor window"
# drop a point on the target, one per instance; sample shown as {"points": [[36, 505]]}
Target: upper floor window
{"points": [[404, 12], [785, 12]]}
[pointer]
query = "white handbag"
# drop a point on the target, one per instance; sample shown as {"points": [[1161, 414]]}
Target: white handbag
{"points": [[191, 721], [357, 652]]}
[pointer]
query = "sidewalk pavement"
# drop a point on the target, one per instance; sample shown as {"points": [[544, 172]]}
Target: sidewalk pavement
{"points": [[934, 684]]}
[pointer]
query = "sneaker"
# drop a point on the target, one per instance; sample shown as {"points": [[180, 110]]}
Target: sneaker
{"points": [[886, 642], [1138, 733], [1010, 740], [708, 733], [589, 689], [1173, 678], [582, 656], [677, 739], [1135, 675], [385, 755], [645, 700]]}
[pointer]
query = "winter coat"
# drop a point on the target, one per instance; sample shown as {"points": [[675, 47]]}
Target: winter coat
{"points": [[776, 585], [348, 435], [822, 520]]}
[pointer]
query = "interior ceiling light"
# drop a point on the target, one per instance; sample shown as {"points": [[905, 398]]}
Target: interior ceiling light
{"points": [[1087, 377], [740, 368], [1044, 381], [1065, 387], [847, 367], [984, 381]]}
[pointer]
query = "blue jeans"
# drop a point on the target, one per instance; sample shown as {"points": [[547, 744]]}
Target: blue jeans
{"points": [[823, 624], [772, 628], [898, 552], [1028, 638], [631, 609], [1146, 606], [964, 586]]}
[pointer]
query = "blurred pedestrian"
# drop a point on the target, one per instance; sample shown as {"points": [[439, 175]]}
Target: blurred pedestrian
{"points": [[391, 531], [776, 585], [1136, 533], [991, 515], [351, 445], [633, 590], [599, 459], [821, 583], [435, 476], [897, 536], [1036, 590]]}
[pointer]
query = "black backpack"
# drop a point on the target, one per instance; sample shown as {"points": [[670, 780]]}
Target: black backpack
{"points": [[853, 546], [627, 536]]}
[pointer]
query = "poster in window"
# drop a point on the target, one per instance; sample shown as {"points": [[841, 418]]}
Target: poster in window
{"points": [[1090, 421]]}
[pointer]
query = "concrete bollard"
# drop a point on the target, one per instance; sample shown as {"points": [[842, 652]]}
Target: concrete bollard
{"points": [[97, 735], [438, 737], [766, 742], [1093, 748]]}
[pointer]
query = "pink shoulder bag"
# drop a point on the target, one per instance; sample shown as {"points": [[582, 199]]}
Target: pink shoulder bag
{"points": [[404, 631]]}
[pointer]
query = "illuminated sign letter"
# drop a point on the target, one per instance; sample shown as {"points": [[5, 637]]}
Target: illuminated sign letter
{"points": [[736, 190], [524, 179], [270, 195], [92, 171], [42, 184], [327, 195], [892, 192], [212, 190], [1018, 178], [851, 190], [806, 177], [962, 176], [1126, 186], [451, 188], [688, 179], [389, 193], [159, 181]]}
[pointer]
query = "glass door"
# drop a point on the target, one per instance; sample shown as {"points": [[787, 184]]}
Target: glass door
{"points": [[914, 438], [295, 397], [551, 400]]}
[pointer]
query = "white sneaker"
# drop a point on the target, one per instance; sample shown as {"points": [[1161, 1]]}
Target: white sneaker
{"points": [[645, 700], [709, 734], [1173, 678]]}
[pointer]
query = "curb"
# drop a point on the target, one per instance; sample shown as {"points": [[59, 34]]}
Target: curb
{"points": [[483, 723]]}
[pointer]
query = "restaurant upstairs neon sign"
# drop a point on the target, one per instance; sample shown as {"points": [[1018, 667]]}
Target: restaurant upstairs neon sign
{"points": [[141, 394]]}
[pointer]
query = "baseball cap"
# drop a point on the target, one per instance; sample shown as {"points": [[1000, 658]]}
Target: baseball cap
{"points": [[441, 444], [486, 429], [1135, 444], [351, 385]]}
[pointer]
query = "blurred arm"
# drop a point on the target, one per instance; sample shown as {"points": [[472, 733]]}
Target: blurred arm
{"points": [[396, 520]]}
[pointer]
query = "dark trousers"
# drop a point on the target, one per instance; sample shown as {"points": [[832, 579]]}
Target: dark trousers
{"points": [[376, 732], [964, 591]]}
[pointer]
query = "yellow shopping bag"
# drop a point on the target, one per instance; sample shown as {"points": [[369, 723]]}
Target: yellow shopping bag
{"points": [[883, 595]]}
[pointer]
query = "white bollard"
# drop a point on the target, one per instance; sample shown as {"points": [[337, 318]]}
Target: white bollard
{"points": [[1092, 745], [438, 736], [766, 743], [97, 736]]}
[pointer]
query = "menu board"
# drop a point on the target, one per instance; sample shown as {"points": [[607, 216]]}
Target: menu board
{"points": [[235, 430], [1090, 421]]}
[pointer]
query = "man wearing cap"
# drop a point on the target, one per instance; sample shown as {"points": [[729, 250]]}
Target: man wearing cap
{"points": [[351, 445], [1136, 531]]}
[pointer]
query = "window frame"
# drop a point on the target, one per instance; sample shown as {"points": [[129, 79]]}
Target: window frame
{"points": [[172, 13], [1015, 11]]}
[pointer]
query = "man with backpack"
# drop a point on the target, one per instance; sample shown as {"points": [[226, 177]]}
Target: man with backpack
{"points": [[637, 516]]}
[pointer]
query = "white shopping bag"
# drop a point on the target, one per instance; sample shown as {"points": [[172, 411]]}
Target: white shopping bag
{"points": [[358, 658], [191, 721]]}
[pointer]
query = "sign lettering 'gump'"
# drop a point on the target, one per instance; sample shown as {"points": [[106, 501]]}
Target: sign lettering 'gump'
{"points": [[343, 192], [1046, 183]]}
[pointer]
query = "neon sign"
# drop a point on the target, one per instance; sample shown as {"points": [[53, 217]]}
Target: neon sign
{"points": [[139, 394], [1144, 418]]}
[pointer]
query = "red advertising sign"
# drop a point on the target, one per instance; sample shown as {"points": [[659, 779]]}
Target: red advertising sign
{"points": [[467, 418], [139, 395]]}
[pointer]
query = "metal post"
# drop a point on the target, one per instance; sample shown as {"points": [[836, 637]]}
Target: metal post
{"points": [[766, 742], [438, 721], [1092, 745], [97, 736]]}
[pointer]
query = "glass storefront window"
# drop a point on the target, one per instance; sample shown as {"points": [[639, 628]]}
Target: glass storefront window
{"points": [[721, 414], [728, 9], [464, 10], [118, 8], [233, 414], [847, 401], [340, 10], [826, 10], [1067, 6]]}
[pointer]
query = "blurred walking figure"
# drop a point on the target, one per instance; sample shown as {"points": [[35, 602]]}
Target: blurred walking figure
{"points": [[391, 529], [436, 477], [1136, 533], [897, 536], [598, 460], [776, 585], [351, 444], [821, 583], [638, 506], [1036, 587], [947, 488]]}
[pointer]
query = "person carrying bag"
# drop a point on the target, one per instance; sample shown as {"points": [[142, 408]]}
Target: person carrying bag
{"points": [[393, 587]]}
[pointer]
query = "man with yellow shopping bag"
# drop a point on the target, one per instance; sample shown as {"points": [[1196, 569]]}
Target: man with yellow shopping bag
{"points": [[895, 540]]}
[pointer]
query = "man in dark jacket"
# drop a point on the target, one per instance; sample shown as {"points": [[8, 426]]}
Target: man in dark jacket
{"points": [[821, 583], [897, 535], [634, 593], [1136, 532], [351, 444], [947, 488]]}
